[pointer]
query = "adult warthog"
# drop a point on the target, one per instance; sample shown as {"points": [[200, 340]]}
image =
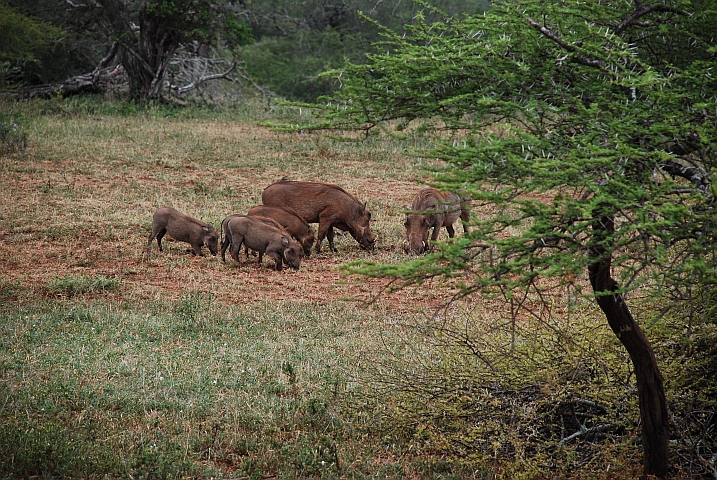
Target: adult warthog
{"points": [[328, 205], [434, 209]]}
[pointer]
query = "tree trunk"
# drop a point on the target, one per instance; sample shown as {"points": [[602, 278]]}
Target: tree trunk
{"points": [[651, 392], [146, 62]]}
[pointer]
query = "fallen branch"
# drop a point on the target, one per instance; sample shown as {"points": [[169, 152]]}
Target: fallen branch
{"points": [[206, 78], [586, 431], [85, 83]]}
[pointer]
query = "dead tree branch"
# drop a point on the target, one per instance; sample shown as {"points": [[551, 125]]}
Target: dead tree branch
{"points": [[207, 78]]}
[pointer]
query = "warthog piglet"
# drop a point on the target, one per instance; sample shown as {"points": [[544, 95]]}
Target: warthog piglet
{"points": [[182, 228]]}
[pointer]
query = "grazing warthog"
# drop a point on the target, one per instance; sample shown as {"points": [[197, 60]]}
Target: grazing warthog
{"points": [[290, 220], [263, 235], [432, 208], [328, 205], [228, 238], [182, 228]]}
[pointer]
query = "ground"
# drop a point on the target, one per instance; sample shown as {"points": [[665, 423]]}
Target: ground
{"points": [[74, 214]]}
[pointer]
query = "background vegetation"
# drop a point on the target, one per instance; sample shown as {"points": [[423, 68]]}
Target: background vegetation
{"points": [[280, 46]]}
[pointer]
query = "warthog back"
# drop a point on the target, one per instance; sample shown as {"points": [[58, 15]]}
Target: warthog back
{"points": [[290, 220], [264, 236]]}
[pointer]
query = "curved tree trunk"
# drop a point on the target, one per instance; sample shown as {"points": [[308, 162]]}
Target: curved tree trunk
{"points": [[147, 60], [651, 392]]}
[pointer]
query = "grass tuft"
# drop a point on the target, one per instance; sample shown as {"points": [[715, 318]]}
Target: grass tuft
{"points": [[71, 285]]}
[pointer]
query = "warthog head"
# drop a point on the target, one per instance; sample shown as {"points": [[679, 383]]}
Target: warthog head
{"points": [[292, 253], [211, 239], [362, 229], [417, 227]]}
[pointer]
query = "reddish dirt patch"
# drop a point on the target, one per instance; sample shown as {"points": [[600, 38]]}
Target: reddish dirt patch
{"points": [[172, 274]]}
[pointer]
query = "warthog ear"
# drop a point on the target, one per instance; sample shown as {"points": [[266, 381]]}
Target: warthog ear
{"points": [[285, 241], [205, 228], [365, 212]]}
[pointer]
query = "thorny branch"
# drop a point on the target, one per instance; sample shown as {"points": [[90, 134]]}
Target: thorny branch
{"points": [[578, 57], [641, 11]]}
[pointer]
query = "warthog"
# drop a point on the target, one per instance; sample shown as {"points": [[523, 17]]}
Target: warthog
{"points": [[328, 205], [432, 208], [227, 242], [290, 220], [182, 228], [263, 235]]}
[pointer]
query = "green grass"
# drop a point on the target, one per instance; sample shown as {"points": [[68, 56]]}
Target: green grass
{"points": [[73, 285], [192, 388]]}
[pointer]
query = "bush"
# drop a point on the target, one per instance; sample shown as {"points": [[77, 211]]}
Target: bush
{"points": [[291, 70]]}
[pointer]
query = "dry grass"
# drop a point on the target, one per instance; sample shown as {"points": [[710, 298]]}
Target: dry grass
{"points": [[184, 364]]}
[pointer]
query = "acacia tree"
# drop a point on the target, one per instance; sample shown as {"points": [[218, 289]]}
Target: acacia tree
{"points": [[592, 128]]}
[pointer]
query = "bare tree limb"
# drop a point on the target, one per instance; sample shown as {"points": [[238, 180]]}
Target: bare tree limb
{"points": [[697, 176], [207, 78], [105, 61], [586, 431], [85, 83]]}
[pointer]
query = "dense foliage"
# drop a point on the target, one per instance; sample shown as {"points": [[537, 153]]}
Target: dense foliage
{"points": [[590, 127], [296, 41], [26, 47], [280, 46]]}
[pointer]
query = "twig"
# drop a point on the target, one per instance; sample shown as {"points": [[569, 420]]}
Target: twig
{"points": [[586, 431]]}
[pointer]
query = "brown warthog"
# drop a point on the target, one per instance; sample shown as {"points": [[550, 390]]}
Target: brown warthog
{"points": [[290, 220], [182, 228], [328, 205], [263, 235], [228, 238], [432, 208]]}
